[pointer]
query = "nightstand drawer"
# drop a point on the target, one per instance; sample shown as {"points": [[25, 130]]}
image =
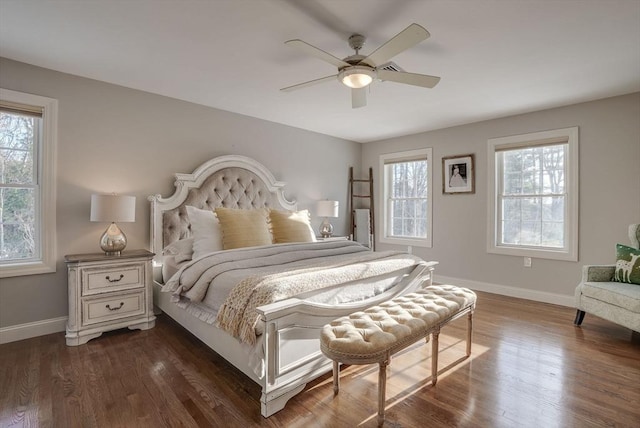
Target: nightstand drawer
{"points": [[97, 310], [112, 278]]}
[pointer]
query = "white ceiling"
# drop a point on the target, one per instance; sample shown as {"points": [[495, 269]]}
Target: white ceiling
{"points": [[496, 58]]}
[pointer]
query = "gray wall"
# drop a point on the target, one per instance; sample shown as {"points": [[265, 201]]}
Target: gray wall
{"points": [[112, 138], [115, 139], [609, 195]]}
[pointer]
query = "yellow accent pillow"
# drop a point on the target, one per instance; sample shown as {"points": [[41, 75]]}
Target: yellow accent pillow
{"points": [[290, 226], [244, 228]]}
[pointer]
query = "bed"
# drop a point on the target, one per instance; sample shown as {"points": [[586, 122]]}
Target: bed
{"points": [[279, 350]]}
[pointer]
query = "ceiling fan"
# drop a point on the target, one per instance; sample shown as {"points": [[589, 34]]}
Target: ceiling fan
{"points": [[357, 71]]}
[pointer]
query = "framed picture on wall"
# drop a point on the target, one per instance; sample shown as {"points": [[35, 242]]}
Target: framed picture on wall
{"points": [[458, 174]]}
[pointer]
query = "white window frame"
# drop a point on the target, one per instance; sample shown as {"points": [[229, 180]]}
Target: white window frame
{"points": [[570, 250], [46, 203], [418, 154]]}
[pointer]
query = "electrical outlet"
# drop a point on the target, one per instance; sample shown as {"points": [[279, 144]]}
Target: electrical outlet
{"points": [[409, 249], [527, 262]]}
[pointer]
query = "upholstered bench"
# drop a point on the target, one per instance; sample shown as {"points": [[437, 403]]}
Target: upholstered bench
{"points": [[374, 335]]}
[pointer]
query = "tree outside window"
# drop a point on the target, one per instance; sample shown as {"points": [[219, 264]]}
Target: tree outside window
{"points": [[533, 194], [406, 195], [28, 140], [17, 186], [409, 199]]}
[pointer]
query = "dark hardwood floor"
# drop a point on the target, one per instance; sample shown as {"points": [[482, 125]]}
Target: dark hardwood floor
{"points": [[530, 367]]}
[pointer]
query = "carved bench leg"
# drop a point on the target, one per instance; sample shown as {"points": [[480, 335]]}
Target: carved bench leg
{"points": [[469, 332], [336, 377], [382, 387], [434, 356]]}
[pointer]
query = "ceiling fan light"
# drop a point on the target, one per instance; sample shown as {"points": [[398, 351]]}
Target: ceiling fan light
{"points": [[357, 80], [357, 77]]}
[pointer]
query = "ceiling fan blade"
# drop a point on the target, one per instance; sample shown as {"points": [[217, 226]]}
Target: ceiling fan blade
{"points": [[317, 52], [358, 97], [402, 41], [414, 79], [309, 83]]}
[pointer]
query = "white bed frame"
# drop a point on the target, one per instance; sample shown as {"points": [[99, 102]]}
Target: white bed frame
{"points": [[292, 326]]}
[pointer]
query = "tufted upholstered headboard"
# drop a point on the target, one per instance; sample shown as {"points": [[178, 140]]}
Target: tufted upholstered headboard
{"points": [[227, 181]]}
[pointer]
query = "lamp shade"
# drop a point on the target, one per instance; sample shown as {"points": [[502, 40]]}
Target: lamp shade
{"points": [[113, 208], [327, 209]]}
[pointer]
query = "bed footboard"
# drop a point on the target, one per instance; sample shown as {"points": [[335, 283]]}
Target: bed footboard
{"points": [[292, 338]]}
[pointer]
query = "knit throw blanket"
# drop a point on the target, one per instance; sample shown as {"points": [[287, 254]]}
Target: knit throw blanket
{"points": [[238, 315]]}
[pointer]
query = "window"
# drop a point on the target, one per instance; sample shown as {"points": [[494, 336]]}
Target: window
{"points": [[406, 195], [28, 127], [533, 195]]}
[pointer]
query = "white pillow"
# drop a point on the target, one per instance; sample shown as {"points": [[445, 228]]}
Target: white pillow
{"points": [[206, 232], [181, 250]]}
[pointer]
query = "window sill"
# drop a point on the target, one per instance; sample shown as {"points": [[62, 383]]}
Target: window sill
{"points": [[413, 242], [561, 255], [24, 269]]}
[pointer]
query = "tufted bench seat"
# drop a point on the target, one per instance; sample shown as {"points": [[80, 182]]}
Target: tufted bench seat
{"points": [[374, 335]]}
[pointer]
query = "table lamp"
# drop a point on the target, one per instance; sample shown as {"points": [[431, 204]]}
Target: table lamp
{"points": [[113, 208], [326, 209]]}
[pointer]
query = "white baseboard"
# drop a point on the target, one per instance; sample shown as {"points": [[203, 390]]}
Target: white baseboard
{"points": [[505, 290], [32, 329]]}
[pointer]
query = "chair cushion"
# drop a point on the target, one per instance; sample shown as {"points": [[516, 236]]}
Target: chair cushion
{"points": [[620, 294]]}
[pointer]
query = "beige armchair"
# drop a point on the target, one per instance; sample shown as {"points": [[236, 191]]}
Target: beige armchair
{"points": [[599, 295]]}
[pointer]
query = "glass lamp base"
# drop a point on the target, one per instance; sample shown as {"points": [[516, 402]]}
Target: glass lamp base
{"points": [[326, 229], [113, 240]]}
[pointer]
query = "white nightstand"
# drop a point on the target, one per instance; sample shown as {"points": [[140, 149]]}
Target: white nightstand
{"points": [[108, 293]]}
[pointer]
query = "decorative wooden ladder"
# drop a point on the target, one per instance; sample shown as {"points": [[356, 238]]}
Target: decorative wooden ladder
{"points": [[353, 195]]}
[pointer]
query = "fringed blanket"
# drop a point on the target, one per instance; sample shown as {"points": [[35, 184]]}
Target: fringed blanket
{"points": [[302, 268]]}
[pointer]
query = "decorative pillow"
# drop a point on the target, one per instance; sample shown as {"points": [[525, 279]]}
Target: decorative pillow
{"points": [[244, 228], [205, 229], [181, 250], [290, 226], [627, 264]]}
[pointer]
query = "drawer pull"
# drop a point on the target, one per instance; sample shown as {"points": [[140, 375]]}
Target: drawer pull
{"points": [[114, 280], [114, 309]]}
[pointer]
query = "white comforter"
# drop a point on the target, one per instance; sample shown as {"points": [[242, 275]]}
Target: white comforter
{"points": [[244, 279]]}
